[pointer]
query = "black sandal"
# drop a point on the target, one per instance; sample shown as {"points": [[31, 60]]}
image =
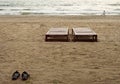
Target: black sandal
{"points": [[15, 75], [25, 75]]}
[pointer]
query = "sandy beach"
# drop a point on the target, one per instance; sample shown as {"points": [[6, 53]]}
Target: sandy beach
{"points": [[22, 48]]}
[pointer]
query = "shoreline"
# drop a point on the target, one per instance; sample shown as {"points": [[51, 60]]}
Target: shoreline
{"points": [[58, 15], [66, 17]]}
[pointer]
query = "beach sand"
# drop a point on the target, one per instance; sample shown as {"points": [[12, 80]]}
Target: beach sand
{"points": [[22, 48]]}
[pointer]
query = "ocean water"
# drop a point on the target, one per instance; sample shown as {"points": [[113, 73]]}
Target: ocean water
{"points": [[59, 7]]}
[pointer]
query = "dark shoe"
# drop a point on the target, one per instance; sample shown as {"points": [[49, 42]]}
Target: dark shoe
{"points": [[15, 75], [25, 75]]}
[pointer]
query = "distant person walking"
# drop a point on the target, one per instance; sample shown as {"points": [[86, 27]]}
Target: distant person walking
{"points": [[104, 13]]}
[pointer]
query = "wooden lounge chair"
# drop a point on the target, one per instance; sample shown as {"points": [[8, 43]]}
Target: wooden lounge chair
{"points": [[84, 34], [57, 34]]}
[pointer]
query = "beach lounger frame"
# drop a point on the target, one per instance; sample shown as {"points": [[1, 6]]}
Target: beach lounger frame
{"points": [[82, 32], [59, 34]]}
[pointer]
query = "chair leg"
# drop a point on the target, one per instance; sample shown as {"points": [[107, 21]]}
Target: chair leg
{"points": [[67, 38], [95, 38], [45, 38], [74, 38]]}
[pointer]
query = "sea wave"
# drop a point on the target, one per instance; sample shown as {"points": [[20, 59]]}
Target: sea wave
{"points": [[117, 4], [69, 7], [117, 9]]}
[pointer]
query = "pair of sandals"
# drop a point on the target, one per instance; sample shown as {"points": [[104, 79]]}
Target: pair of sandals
{"points": [[16, 75]]}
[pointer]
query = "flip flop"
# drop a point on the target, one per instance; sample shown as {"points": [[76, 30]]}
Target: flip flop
{"points": [[15, 75], [25, 75]]}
